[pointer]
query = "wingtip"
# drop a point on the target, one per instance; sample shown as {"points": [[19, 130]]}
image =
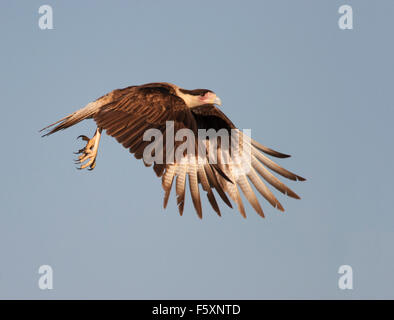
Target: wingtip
{"points": [[261, 213], [199, 212], [258, 209], [283, 155], [290, 193], [269, 151], [43, 135]]}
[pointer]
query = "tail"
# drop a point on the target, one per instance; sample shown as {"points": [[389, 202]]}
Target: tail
{"points": [[85, 113]]}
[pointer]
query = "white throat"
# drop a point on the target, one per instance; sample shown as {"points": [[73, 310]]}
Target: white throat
{"points": [[191, 101]]}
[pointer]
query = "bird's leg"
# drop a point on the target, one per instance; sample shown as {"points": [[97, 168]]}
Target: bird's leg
{"points": [[90, 151]]}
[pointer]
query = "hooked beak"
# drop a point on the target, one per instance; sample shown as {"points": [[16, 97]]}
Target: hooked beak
{"points": [[217, 101]]}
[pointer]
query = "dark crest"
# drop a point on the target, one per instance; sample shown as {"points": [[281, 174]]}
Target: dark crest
{"points": [[195, 92]]}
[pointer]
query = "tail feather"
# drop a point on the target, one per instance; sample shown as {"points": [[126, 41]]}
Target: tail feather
{"points": [[85, 113], [63, 124]]}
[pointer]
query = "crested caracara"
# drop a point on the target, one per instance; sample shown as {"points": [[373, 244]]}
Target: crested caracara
{"points": [[127, 114]]}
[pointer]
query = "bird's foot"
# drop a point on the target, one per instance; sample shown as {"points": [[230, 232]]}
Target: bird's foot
{"points": [[89, 152]]}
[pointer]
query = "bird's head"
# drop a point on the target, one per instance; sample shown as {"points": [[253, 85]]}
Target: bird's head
{"points": [[198, 97]]}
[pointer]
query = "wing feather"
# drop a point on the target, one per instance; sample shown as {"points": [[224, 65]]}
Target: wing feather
{"points": [[247, 190], [227, 166], [167, 181], [263, 189], [180, 187], [206, 187], [273, 166], [271, 179], [269, 150], [193, 184]]}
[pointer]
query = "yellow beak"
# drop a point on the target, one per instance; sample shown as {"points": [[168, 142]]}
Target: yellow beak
{"points": [[217, 101]]}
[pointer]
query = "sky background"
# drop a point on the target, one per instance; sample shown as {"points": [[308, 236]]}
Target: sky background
{"points": [[282, 68]]}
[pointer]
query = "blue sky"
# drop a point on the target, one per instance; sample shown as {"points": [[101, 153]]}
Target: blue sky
{"points": [[282, 68]]}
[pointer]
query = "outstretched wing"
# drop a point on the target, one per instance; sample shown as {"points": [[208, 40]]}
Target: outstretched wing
{"points": [[233, 171], [133, 111]]}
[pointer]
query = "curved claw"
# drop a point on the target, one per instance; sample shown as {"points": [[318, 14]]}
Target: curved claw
{"points": [[79, 151], [85, 138], [93, 165], [87, 164], [77, 161]]}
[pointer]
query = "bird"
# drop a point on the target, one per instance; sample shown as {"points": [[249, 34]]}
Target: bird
{"points": [[128, 113]]}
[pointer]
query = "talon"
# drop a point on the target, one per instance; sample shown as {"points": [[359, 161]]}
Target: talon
{"points": [[87, 164], [93, 165], [80, 151], [89, 153], [85, 138]]}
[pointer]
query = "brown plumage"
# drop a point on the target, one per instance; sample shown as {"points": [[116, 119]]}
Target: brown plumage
{"points": [[126, 114]]}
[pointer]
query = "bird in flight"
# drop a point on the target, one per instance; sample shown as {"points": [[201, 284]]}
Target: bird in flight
{"points": [[127, 114]]}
